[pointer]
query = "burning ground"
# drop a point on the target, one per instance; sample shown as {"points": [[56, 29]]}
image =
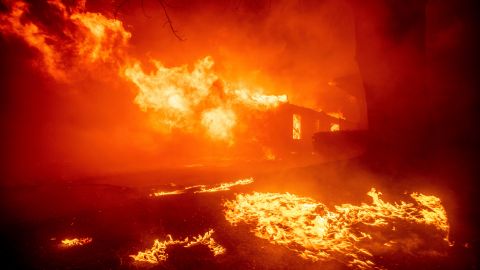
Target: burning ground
{"points": [[244, 224]]}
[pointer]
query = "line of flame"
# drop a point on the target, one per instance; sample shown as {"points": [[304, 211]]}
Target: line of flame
{"points": [[158, 251], [204, 188]]}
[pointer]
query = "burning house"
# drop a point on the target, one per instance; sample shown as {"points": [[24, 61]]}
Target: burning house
{"points": [[290, 128], [205, 134]]}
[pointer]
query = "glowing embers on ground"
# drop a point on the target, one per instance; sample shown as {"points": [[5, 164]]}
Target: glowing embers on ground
{"points": [[158, 252], [204, 188], [76, 242], [351, 234]]}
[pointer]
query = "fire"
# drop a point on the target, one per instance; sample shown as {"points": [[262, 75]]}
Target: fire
{"points": [[14, 24], [219, 123], [158, 252], [76, 242], [204, 188], [177, 98], [196, 99], [103, 38], [297, 127], [85, 35], [337, 115], [346, 234], [208, 241], [334, 127], [225, 186]]}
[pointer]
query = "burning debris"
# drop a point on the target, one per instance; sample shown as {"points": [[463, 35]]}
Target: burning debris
{"points": [[204, 188], [76, 242], [158, 252], [350, 234]]}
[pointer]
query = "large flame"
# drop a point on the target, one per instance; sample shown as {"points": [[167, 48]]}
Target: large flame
{"points": [[158, 252], [190, 100], [196, 99], [316, 233], [85, 38]]}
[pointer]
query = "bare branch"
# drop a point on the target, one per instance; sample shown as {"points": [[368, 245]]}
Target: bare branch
{"points": [[169, 21]]}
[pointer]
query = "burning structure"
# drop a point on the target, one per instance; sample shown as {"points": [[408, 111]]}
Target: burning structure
{"points": [[241, 135]]}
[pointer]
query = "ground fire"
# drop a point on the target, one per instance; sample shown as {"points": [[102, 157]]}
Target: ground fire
{"points": [[158, 252], [316, 233], [76, 242], [188, 134]]}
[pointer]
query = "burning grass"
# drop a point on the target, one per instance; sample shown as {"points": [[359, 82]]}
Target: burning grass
{"points": [[350, 234], [76, 242], [158, 252], [204, 188]]}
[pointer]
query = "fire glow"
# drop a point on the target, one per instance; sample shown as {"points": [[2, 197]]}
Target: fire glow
{"points": [[348, 234], [158, 252]]}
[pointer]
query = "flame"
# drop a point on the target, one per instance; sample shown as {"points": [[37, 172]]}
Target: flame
{"points": [[297, 127], [219, 123], [166, 193], [85, 35], [178, 96], [334, 127], [76, 242], [14, 23], [208, 241], [158, 252], [337, 115], [205, 189], [225, 186], [103, 38], [314, 232]]}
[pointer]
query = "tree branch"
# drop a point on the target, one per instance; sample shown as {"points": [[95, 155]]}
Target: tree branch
{"points": [[169, 21]]}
